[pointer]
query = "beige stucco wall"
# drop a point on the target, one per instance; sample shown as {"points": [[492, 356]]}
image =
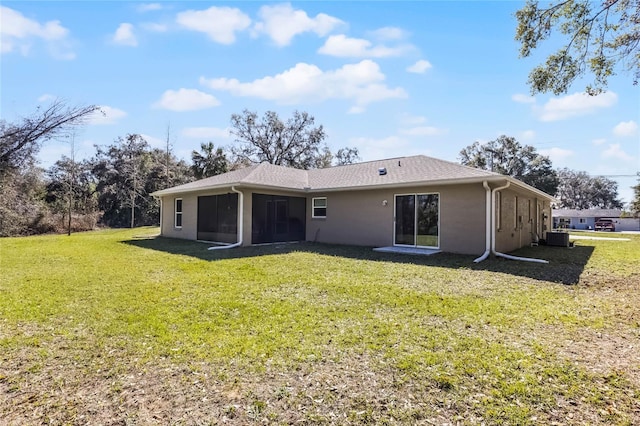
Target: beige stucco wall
{"points": [[517, 226], [189, 217], [361, 218], [189, 228]]}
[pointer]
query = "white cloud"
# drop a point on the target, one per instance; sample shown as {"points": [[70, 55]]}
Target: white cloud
{"points": [[282, 23], [107, 115], [362, 83], [347, 47], [154, 27], [375, 149], [17, 33], [389, 33], [626, 128], [124, 35], [423, 131], [575, 105], [615, 152], [206, 133], [598, 141], [523, 99], [557, 155], [154, 142], [46, 97], [528, 135], [186, 100], [412, 120], [219, 23], [149, 7], [419, 67]]}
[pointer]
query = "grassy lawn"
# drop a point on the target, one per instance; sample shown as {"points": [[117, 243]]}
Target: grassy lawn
{"points": [[121, 327]]}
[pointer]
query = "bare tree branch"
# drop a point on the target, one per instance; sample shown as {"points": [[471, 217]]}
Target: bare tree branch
{"points": [[19, 142]]}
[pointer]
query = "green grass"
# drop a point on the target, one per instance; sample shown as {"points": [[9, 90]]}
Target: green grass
{"points": [[118, 324]]}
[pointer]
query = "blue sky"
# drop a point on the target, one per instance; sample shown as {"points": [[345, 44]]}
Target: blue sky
{"points": [[390, 78]]}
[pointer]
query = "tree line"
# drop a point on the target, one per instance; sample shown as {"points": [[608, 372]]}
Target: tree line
{"points": [[113, 187], [573, 189]]}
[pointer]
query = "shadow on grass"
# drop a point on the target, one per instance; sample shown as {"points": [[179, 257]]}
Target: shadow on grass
{"points": [[565, 265]]}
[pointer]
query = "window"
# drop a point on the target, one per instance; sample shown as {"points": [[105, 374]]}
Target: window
{"points": [[583, 220], [178, 213], [417, 220], [515, 215], [319, 209], [564, 223]]}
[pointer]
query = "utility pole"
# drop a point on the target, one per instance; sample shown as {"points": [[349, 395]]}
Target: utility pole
{"points": [[168, 154]]}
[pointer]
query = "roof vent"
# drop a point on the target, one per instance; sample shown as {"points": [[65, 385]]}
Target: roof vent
{"points": [[382, 171]]}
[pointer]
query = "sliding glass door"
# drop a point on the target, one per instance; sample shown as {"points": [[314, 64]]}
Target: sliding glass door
{"points": [[417, 220]]}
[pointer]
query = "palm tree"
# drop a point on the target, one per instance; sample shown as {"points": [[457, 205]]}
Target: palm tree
{"points": [[210, 161]]}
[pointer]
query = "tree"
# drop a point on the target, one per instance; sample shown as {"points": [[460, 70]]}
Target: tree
{"points": [[19, 142], [346, 156], [599, 36], [119, 173], [578, 190], [126, 173], [296, 143], [23, 210], [635, 203], [209, 161], [507, 156], [71, 190], [22, 206]]}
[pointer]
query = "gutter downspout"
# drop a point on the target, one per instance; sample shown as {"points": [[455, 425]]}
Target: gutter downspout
{"points": [[160, 199], [493, 231], [240, 222], [487, 237]]}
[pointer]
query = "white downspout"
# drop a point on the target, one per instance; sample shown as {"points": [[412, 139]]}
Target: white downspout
{"points": [[493, 231], [240, 222], [160, 198], [487, 237]]}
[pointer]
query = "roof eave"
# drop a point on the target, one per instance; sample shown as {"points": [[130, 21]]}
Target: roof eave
{"points": [[531, 188], [458, 181], [410, 184], [177, 190], [172, 191]]}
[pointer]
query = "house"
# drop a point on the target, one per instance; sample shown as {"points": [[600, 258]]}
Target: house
{"points": [[413, 201], [582, 219]]}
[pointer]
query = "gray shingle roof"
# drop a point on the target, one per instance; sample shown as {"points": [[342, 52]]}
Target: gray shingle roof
{"points": [[401, 171], [263, 174]]}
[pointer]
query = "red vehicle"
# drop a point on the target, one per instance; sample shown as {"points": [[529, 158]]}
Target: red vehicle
{"points": [[605, 225]]}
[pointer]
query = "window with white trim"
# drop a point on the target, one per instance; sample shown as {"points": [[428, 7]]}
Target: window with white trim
{"points": [[177, 223], [319, 208]]}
